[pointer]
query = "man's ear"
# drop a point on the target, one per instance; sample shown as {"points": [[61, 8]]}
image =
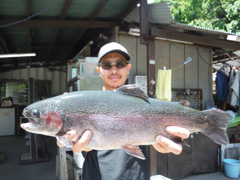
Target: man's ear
{"points": [[129, 66], [98, 69]]}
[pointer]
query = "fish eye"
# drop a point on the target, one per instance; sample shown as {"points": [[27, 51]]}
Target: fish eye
{"points": [[35, 113]]}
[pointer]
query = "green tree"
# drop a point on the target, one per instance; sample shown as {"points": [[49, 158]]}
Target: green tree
{"points": [[214, 14]]}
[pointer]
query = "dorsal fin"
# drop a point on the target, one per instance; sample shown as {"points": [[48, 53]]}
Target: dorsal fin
{"points": [[132, 90], [184, 103]]}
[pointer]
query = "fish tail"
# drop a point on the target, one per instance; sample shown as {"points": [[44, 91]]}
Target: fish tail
{"points": [[218, 122]]}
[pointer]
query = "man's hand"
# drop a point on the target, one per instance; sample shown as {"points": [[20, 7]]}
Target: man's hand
{"points": [[82, 142], [165, 145]]}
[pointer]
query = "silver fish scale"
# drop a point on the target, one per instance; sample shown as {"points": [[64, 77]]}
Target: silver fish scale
{"points": [[117, 119], [108, 102], [110, 115]]}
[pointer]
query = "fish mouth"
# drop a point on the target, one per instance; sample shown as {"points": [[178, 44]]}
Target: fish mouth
{"points": [[32, 126], [32, 120], [48, 124]]}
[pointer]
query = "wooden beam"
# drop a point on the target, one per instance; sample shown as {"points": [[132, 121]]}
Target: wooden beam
{"points": [[200, 40], [55, 34], [93, 16], [29, 33], [60, 24], [43, 47], [62, 17], [4, 44], [65, 9], [98, 9], [29, 12]]}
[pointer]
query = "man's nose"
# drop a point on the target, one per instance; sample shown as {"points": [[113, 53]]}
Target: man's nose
{"points": [[113, 69]]}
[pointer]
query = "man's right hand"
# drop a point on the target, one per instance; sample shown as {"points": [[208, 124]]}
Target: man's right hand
{"points": [[82, 142]]}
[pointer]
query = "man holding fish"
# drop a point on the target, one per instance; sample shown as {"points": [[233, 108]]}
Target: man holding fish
{"points": [[114, 68]]}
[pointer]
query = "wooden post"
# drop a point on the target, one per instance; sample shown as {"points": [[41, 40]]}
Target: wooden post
{"points": [[144, 29], [63, 164], [149, 41], [151, 68]]}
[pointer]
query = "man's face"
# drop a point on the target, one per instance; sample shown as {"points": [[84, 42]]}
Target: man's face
{"points": [[113, 77]]}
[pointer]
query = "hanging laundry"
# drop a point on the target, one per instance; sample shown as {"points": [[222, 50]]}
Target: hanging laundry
{"points": [[164, 85], [232, 75], [235, 90], [222, 86]]}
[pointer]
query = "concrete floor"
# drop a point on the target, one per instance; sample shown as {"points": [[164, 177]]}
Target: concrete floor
{"points": [[206, 176], [14, 146], [209, 176]]}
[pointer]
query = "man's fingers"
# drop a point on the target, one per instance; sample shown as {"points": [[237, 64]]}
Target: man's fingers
{"points": [[166, 145], [82, 143], [178, 131], [70, 134], [59, 144], [160, 148]]}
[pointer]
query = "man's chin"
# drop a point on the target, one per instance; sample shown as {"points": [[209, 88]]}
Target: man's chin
{"points": [[115, 85]]}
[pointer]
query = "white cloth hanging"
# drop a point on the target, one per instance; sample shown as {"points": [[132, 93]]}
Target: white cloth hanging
{"points": [[235, 90]]}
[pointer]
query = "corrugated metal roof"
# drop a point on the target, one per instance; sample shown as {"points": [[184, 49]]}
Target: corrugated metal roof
{"points": [[197, 28], [158, 13]]}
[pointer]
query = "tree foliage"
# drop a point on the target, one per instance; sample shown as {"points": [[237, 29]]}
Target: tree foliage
{"points": [[213, 14]]}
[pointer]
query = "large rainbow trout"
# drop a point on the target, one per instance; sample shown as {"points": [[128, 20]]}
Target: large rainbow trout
{"points": [[123, 118]]}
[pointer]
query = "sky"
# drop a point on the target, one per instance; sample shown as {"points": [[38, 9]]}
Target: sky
{"points": [[150, 1]]}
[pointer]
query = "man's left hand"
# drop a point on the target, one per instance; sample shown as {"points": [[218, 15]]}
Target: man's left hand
{"points": [[165, 145]]}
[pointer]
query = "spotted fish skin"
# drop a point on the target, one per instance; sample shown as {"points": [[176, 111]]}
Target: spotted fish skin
{"points": [[123, 118]]}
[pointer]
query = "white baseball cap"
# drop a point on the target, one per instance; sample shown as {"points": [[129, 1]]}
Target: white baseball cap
{"points": [[113, 47]]}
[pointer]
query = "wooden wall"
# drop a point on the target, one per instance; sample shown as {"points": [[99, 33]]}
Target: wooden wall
{"points": [[197, 74]]}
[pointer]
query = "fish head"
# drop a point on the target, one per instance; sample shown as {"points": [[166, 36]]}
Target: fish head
{"points": [[44, 118]]}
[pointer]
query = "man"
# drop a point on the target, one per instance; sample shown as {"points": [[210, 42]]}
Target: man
{"points": [[116, 164]]}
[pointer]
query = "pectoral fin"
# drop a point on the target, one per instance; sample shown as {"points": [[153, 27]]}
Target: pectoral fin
{"points": [[134, 151], [64, 141]]}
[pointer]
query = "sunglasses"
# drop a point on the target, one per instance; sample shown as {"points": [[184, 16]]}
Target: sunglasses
{"points": [[120, 63]]}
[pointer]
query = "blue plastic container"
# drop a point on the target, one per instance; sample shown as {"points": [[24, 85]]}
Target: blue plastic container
{"points": [[232, 168]]}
